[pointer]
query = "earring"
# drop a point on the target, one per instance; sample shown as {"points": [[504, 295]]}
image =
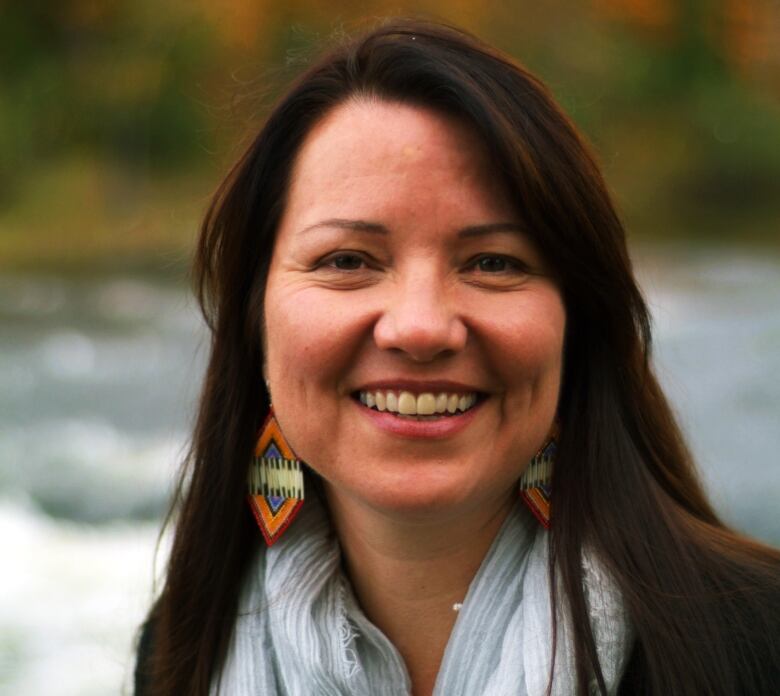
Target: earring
{"points": [[275, 482], [534, 485]]}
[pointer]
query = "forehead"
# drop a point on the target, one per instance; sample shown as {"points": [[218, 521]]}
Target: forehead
{"points": [[371, 151], [392, 129]]}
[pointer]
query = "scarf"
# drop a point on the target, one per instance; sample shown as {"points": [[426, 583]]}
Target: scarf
{"points": [[301, 632]]}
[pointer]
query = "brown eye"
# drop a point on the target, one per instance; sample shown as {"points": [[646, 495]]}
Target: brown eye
{"points": [[493, 264], [347, 262]]}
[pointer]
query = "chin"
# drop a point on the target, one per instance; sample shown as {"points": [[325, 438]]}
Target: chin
{"points": [[417, 496]]}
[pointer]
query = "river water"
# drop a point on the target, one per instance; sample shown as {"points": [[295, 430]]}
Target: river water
{"points": [[98, 380]]}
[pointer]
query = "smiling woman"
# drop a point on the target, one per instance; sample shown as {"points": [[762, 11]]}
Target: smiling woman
{"points": [[417, 262], [399, 271]]}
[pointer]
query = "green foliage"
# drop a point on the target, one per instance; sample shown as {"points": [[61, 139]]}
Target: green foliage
{"points": [[115, 115], [118, 85]]}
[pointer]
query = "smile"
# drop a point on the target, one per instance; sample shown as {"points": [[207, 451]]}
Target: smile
{"points": [[405, 403]]}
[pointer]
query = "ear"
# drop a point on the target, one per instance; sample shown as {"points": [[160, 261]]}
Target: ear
{"points": [[265, 379]]}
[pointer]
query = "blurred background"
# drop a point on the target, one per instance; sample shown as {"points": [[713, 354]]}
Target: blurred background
{"points": [[117, 121]]}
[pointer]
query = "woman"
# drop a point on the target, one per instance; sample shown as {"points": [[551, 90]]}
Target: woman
{"points": [[418, 263]]}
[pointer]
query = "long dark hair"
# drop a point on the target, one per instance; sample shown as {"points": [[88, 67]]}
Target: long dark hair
{"points": [[700, 597]]}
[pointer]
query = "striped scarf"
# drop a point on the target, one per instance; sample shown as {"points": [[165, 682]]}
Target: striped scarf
{"points": [[301, 632]]}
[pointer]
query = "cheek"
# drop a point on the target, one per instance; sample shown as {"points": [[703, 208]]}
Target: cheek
{"points": [[291, 339], [528, 343], [298, 334], [311, 340]]}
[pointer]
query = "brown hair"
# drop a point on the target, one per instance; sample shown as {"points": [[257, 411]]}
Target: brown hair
{"points": [[700, 597]]}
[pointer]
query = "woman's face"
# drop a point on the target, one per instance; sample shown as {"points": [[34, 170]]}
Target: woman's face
{"points": [[413, 333]]}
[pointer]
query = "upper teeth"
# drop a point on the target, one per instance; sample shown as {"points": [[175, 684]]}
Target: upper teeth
{"points": [[425, 404]]}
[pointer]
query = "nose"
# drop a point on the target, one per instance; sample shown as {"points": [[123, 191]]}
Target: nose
{"points": [[420, 319]]}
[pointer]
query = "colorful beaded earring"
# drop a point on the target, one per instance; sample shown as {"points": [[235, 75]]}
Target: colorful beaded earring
{"points": [[275, 482], [535, 482]]}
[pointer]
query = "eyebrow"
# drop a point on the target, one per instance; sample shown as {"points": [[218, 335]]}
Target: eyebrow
{"points": [[342, 224], [377, 228], [490, 228]]}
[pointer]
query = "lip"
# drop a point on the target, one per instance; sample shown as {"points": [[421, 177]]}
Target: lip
{"points": [[438, 429], [420, 386]]}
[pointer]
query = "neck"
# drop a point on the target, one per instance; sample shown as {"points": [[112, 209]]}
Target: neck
{"points": [[408, 575]]}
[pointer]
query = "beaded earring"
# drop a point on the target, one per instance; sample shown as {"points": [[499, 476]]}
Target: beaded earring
{"points": [[275, 482], [534, 485]]}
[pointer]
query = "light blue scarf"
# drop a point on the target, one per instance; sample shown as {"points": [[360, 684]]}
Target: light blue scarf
{"points": [[300, 631]]}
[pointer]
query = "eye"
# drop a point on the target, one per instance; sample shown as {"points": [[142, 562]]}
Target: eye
{"points": [[496, 263], [492, 264], [345, 261]]}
